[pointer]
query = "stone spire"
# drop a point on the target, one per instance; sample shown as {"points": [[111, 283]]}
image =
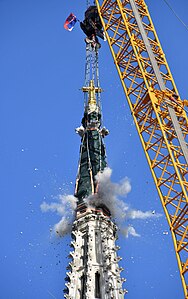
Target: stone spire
{"points": [[93, 272]]}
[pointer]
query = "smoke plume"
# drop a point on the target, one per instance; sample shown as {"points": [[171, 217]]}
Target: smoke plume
{"points": [[65, 208], [109, 194], [129, 230]]}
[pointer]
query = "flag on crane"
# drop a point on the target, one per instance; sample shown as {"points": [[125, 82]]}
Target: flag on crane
{"points": [[70, 22]]}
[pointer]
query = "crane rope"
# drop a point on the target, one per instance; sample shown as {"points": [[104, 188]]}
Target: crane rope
{"points": [[92, 69], [97, 75], [98, 84], [92, 73], [87, 70], [93, 66], [167, 3]]}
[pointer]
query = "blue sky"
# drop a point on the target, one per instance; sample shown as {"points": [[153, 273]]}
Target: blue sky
{"points": [[42, 71]]}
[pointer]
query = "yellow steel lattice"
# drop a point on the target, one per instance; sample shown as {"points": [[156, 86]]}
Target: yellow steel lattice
{"points": [[150, 106]]}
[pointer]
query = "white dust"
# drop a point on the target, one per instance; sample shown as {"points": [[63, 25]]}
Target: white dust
{"points": [[65, 207], [112, 195], [109, 194], [129, 230]]}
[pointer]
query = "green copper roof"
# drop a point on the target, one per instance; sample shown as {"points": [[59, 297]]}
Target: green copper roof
{"points": [[92, 155]]}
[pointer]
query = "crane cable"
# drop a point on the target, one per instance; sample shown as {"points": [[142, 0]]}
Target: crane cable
{"points": [[93, 66], [87, 72], [97, 75], [175, 14], [99, 104], [92, 72]]}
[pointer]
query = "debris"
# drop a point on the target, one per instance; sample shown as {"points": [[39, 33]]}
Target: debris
{"points": [[80, 131], [104, 132], [165, 233]]}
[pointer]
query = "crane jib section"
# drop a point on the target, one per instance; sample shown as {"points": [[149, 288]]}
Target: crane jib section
{"points": [[157, 109]]}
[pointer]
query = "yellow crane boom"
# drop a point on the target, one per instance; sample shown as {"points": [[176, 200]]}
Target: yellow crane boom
{"points": [[157, 109]]}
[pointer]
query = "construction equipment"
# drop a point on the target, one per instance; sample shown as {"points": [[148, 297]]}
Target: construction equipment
{"points": [[158, 111]]}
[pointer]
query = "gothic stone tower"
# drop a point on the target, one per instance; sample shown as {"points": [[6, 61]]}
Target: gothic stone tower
{"points": [[94, 272]]}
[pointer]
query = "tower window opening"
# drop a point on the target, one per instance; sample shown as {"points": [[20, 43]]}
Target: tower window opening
{"points": [[85, 248], [97, 249], [83, 282], [97, 286]]}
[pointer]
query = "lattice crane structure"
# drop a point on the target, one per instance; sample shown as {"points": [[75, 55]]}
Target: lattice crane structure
{"points": [[157, 109]]}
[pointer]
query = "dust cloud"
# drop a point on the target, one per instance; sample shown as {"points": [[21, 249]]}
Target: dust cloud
{"points": [[110, 194]]}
